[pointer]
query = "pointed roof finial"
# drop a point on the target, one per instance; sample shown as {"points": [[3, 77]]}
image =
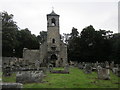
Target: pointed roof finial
{"points": [[53, 13]]}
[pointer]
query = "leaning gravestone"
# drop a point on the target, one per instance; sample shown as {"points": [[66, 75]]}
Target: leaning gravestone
{"points": [[103, 73], [29, 76]]}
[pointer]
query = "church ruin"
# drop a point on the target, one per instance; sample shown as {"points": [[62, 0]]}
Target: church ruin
{"points": [[53, 51]]}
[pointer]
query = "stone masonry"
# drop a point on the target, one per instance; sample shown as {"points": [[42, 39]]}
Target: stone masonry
{"points": [[53, 51]]}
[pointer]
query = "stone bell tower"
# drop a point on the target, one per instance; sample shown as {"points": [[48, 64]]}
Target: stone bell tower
{"points": [[53, 51], [53, 38]]}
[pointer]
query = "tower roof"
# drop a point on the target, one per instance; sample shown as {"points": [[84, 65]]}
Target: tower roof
{"points": [[52, 14]]}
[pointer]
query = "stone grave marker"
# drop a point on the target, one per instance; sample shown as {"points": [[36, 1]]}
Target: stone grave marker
{"points": [[80, 66], [103, 73], [29, 76], [50, 67], [9, 86], [88, 68]]}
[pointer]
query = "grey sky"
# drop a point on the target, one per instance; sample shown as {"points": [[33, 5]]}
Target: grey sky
{"points": [[31, 14]]}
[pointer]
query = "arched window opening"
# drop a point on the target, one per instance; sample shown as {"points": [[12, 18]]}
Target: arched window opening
{"points": [[53, 40], [53, 57], [53, 22]]}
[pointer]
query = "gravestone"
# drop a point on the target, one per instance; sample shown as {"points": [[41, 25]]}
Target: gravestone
{"points": [[103, 73], [103, 65], [112, 65], [107, 64], [80, 66], [37, 64], [116, 70], [50, 67], [88, 68], [29, 76], [66, 68], [9, 86]]}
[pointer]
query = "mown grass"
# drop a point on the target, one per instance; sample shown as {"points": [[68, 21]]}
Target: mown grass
{"points": [[76, 79], [12, 78]]}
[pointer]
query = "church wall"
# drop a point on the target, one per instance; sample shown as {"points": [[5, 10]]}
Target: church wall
{"points": [[63, 53], [43, 52], [31, 55]]}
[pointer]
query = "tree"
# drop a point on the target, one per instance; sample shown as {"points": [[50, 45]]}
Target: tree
{"points": [[73, 45], [42, 37], [115, 47], [13, 39], [94, 44], [26, 40], [9, 29]]}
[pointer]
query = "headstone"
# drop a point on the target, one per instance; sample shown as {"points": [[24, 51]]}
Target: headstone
{"points": [[66, 68], [80, 66], [29, 76], [107, 64], [17, 86], [111, 65], [103, 65], [88, 68], [103, 73], [37, 64], [116, 70], [50, 67]]}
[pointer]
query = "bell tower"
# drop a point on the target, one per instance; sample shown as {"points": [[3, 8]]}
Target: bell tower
{"points": [[53, 36]]}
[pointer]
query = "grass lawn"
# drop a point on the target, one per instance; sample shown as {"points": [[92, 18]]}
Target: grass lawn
{"points": [[76, 79]]}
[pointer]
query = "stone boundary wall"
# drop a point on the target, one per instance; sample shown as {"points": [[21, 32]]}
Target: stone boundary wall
{"points": [[31, 55]]}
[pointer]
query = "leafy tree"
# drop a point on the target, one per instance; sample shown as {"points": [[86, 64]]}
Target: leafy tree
{"points": [[42, 37], [115, 45], [73, 53], [9, 29], [13, 39]]}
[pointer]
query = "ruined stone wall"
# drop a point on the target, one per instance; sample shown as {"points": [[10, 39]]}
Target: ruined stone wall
{"points": [[63, 53], [8, 60], [43, 52], [31, 55]]}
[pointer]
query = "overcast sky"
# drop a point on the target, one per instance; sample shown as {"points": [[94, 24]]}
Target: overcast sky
{"points": [[31, 14]]}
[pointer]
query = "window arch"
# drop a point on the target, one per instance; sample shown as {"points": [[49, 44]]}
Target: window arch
{"points": [[53, 40], [53, 21]]}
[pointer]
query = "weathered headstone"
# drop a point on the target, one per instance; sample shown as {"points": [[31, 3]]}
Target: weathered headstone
{"points": [[17, 86], [29, 76], [87, 68], [37, 64], [80, 66], [103, 73], [112, 65], [50, 67], [116, 70], [107, 64], [66, 68]]}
